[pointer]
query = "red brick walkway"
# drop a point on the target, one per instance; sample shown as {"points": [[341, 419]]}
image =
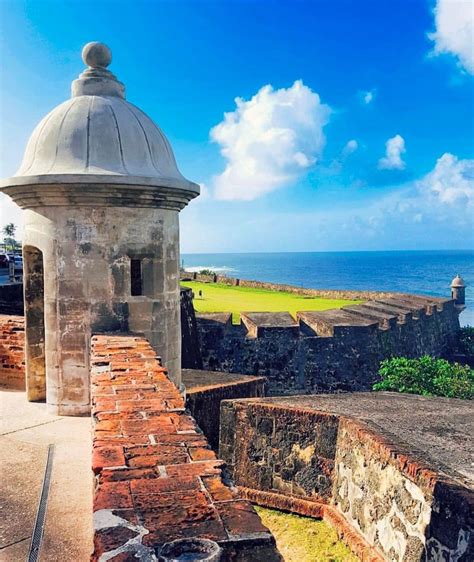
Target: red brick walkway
{"points": [[156, 477]]}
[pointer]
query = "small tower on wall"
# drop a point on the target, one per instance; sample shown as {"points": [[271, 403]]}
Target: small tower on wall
{"points": [[101, 192], [458, 290]]}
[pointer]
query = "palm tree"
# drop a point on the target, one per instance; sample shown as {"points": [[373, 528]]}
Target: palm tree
{"points": [[9, 230], [9, 237]]}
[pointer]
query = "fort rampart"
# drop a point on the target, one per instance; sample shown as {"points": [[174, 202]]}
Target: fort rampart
{"points": [[331, 350], [268, 286], [389, 471]]}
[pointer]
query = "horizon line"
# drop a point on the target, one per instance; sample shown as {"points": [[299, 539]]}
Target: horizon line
{"points": [[329, 251]]}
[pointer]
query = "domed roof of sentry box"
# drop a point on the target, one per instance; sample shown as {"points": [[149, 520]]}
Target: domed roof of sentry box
{"points": [[97, 137], [458, 281]]}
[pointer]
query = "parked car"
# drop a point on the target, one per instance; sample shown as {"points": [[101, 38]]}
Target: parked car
{"points": [[18, 260], [4, 261]]}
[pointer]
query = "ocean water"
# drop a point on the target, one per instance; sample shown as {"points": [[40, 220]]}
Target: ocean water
{"points": [[423, 272]]}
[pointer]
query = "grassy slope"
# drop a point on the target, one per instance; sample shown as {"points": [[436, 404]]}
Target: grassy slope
{"points": [[303, 539], [221, 298]]}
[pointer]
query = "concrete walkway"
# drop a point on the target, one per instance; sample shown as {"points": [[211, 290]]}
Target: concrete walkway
{"points": [[26, 430]]}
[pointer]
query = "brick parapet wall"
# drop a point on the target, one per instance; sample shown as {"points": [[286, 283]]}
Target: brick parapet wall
{"points": [[387, 502], [156, 477], [328, 351], [12, 352]]}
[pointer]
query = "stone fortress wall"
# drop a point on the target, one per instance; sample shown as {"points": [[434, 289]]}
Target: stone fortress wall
{"points": [[331, 350], [322, 468], [268, 286], [327, 351], [190, 351], [391, 472]]}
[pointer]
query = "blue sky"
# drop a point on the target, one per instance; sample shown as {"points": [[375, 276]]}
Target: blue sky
{"points": [[354, 129]]}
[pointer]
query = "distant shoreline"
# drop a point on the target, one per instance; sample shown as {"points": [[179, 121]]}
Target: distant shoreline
{"points": [[418, 272]]}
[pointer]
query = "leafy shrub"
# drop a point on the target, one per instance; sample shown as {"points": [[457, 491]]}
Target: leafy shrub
{"points": [[207, 272], [427, 376], [466, 340]]}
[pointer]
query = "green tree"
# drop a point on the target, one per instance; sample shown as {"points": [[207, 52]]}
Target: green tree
{"points": [[9, 230], [9, 240], [428, 376], [466, 340]]}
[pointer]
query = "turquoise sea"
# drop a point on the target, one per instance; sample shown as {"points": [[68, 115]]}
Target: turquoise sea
{"points": [[420, 272]]}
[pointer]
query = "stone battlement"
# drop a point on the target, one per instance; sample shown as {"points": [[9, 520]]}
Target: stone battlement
{"points": [[328, 350]]}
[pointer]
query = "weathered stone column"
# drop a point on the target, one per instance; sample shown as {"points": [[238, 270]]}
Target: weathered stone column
{"points": [[102, 194]]}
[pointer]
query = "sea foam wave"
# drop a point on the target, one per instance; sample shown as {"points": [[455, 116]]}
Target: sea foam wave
{"points": [[217, 269]]}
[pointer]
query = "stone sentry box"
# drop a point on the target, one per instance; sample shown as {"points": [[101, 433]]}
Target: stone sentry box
{"points": [[101, 192]]}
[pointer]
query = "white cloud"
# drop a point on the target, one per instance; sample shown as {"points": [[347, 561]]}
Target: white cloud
{"points": [[368, 96], [454, 32], [205, 192], [350, 147], [433, 212], [451, 181], [269, 141], [442, 201], [395, 147]]}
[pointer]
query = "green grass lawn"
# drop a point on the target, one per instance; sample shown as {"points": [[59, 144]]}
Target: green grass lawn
{"points": [[222, 298], [303, 539]]}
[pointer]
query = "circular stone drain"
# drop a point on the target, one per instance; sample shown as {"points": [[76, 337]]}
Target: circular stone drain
{"points": [[188, 550]]}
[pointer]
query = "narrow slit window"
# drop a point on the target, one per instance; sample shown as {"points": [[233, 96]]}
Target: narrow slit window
{"points": [[136, 277]]}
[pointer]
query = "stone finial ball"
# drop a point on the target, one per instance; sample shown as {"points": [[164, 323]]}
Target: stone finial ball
{"points": [[96, 55]]}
